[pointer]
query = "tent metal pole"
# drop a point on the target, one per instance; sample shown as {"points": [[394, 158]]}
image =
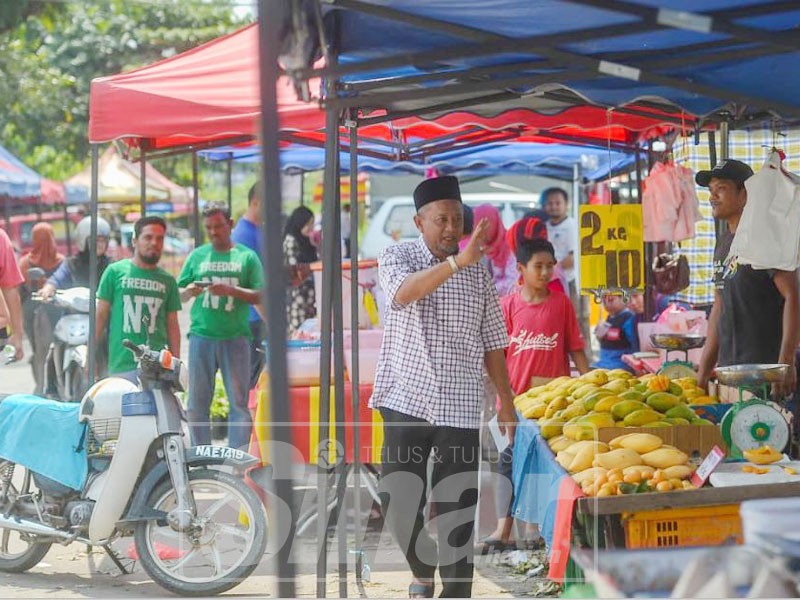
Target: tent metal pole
{"points": [[338, 383], [93, 264], [328, 256], [721, 226], [273, 296], [354, 375], [143, 180], [229, 181], [649, 296], [198, 238]]}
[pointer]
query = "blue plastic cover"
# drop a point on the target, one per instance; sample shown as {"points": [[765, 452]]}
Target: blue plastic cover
{"points": [[136, 404], [45, 436]]}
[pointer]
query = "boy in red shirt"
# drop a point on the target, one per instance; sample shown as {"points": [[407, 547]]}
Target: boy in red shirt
{"points": [[543, 335]]}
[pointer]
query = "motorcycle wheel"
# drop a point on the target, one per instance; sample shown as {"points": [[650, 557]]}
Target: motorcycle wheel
{"points": [[18, 551], [231, 528]]}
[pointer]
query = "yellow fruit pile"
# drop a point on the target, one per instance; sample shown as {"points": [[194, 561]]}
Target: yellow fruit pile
{"points": [[765, 455], [628, 464], [578, 407]]}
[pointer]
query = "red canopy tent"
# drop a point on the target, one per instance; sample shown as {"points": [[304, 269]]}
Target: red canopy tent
{"points": [[209, 95]]}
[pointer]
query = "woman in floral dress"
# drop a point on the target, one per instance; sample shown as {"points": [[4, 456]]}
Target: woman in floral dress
{"points": [[299, 253]]}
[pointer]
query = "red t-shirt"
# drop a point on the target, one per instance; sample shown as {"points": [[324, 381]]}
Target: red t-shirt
{"points": [[541, 336], [10, 275]]}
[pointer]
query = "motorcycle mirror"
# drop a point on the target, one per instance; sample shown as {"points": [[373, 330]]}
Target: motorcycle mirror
{"points": [[35, 274]]}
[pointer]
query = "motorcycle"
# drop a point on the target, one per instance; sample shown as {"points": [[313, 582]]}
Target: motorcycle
{"points": [[198, 528], [66, 372]]}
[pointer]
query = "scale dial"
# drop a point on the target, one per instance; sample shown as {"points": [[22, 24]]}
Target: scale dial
{"points": [[753, 424]]}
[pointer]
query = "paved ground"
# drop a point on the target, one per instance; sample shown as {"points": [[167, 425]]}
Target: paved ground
{"points": [[72, 572]]}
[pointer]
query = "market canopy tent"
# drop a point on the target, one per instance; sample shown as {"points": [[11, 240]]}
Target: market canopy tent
{"points": [[717, 59], [120, 183], [17, 180]]}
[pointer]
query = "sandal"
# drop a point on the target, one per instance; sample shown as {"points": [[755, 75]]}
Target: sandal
{"points": [[489, 545], [420, 590]]}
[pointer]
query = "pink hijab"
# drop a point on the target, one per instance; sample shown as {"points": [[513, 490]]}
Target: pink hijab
{"points": [[496, 246]]}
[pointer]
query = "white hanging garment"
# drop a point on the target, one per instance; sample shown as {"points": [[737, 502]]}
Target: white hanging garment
{"points": [[768, 235]]}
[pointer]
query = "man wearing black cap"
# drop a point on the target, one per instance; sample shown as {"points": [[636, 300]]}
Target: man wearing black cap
{"points": [[443, 325], [755, 317]]}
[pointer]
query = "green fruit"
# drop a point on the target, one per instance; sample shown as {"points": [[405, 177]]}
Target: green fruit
{"points": [[622, 409], [639, 417], [632, 395], [641, 388], [606, 404], [675, 389], [592, 399], [598, 420], [628, 488], [681, 412], [658, 424], [662, 401], [701, 422], [676, 421]]}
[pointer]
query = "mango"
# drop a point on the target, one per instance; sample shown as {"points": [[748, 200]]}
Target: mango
{"points": [[620, 374], [606, 404], [676, 421], [620, 410], [564, 459], [557, 382], [617, 459], [663, 401], [556, 404], [643, 471], [674, 389], [639, 442], [665, 457], [589, 474], [535, 411], [616, 385], [574, 410], [559, 443], [550, 428], [662, 423], [632, 395], [703, 400], [580, 431], [691, 394], [598, 420], [640, 417], [701, 422], [678, 472], [591, 400], [596, 376], [584, 390], [584, 455], [681, 412]]}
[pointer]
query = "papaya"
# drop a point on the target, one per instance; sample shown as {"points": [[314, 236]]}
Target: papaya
{"points": [[591, 400], [606, 404], [632, 395], [681, 411], [622, 409], [638, 418], [616, 385], [663, 401]]}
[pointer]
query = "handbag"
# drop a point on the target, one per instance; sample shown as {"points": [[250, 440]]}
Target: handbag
{"points": [[671, 273]]}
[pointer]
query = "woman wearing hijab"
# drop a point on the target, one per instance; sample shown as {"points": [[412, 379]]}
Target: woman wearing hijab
{"points": [[500, 261], [299, 253], [38, 319]]}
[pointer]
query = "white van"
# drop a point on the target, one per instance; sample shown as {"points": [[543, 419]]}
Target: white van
{"points": [[394, 221]]}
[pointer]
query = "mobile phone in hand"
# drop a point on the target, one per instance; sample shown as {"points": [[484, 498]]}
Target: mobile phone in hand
{"points": [[203, 284]]}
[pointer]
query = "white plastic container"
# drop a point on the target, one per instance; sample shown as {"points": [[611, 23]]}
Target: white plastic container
{"points": [[770, 517], [367, 281]]}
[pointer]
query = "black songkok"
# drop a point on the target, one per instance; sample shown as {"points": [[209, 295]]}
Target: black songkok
{"points": [[437, 188]]}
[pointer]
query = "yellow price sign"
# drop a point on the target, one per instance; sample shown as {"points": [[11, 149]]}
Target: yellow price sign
{"points": [[611, 247]]}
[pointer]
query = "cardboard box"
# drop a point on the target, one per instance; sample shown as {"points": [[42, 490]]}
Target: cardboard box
{"points": [[696, 440]]}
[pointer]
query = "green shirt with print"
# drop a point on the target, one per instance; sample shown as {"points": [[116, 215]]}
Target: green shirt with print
{"points": [[140, 300], [221, 317]]}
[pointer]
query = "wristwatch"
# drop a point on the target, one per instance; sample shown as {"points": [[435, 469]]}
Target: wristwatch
{"points": [[451, 260]]}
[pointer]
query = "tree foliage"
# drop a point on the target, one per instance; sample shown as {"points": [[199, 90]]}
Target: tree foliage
{"points": [[50, 54]]}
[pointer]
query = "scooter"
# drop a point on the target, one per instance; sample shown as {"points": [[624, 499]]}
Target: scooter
{"points": [[66, 372], [198, 528]]}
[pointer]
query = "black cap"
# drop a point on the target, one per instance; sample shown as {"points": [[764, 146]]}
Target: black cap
{"points": [[735, 170], [436, 188]]}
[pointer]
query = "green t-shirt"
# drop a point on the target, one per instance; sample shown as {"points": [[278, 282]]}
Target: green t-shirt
{"points": [[221, 317], [139, 298]]}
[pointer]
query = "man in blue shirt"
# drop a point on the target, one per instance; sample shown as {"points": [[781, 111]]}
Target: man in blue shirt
{"points": [[248, 233]]}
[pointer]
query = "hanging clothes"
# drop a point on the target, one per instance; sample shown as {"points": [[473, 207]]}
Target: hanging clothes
{"points": [[768, 235], [669, 204]]}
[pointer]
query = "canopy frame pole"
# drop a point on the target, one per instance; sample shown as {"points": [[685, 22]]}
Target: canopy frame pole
{"points": [[273, 295], [198, 236], [92, 354], [143, 179], [721, 226], [229, 181], [354, 341]]}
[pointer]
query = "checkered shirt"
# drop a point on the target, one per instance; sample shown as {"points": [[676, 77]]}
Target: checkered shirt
{"points": [[431, 359]]}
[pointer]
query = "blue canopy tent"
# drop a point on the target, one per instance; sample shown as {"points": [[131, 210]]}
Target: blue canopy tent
{"points": [[17, 180], [556, 161]]}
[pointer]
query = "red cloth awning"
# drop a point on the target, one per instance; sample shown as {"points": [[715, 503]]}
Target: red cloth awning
{"points": [[210, 93]]}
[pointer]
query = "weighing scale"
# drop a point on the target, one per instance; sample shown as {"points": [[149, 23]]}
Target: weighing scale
{"points": [[756, 422], [677, 342]]}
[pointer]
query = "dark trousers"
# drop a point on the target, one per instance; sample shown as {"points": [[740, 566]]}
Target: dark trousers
{"points": [[408, 442], [258, 331]]}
